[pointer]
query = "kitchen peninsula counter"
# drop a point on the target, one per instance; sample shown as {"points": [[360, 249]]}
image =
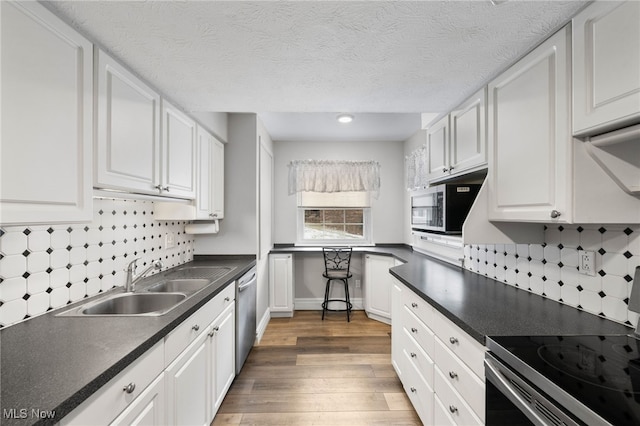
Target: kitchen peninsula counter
{"points": [[480, 305]]}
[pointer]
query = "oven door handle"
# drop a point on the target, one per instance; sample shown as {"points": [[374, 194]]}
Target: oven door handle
{"points": [[494, 375]]}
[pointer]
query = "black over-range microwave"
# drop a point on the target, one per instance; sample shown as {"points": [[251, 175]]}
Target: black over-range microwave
{"points": [[443, 208]]}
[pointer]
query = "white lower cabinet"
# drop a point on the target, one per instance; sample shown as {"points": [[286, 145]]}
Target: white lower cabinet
{"points": [[222, 358], [147, 409], [182, 380], [121, 392], [377, 286], [186, 386], [281, 285], [440, 366]]}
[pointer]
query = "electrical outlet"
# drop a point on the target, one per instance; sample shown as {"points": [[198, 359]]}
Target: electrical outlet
{"points": [[586, 262], [357, 283], [169, 240]]}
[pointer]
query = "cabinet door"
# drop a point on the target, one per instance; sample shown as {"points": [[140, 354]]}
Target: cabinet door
{"points": [[396, 328], [47, 113], [529, 174], [186, 386], [178, 152], [468, 143], [205, 174], [127, 154], [378, 285], [281, 284], [147, 409], [438, 149], [606, 66], [221, 359], [217, 184]]}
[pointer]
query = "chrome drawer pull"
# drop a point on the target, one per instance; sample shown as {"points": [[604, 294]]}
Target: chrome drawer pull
{"points": [[414, 305], [413, 390], [413, 355], [226, 299], [129, 388], [453, 340], [195, 327], [453, 409], [414, 330], [214, 331], [453, 374]]}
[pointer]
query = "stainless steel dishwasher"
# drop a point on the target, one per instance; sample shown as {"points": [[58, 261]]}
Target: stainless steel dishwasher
{"points": [[246, 288]]}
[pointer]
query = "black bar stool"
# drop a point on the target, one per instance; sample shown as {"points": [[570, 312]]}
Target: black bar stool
{"points": [[337, 261]]}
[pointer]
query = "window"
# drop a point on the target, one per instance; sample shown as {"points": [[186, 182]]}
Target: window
{"points": [[334, 218]]}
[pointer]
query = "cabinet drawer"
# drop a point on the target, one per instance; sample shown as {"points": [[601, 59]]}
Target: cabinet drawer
{"points": [[196, 324], [421, 361], [112, 399], [441, 415], [418, 306], [418, 330], [463, 380], [460, 412], [419, 392], [470, 351]]}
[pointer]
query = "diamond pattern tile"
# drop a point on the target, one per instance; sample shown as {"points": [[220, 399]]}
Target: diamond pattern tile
{"points": [[52, 265], [551, 269]]}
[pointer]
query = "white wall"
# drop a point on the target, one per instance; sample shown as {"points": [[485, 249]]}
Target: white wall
{"points": [[265, 222], [387, 211], [238, 229], [215, 122]]}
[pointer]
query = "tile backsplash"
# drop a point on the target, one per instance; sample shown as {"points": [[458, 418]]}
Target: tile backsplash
{"points": [[45, 267], [551, 269]]}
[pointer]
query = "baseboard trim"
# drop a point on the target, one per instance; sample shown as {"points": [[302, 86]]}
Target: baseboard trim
{"points": [[315, 304], [262, 325]]}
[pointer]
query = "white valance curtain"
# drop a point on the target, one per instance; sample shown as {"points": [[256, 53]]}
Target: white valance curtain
{"points": [[334, 176]]}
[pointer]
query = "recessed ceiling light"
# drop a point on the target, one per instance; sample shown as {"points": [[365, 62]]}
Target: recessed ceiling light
{"points": [[345, 118]]}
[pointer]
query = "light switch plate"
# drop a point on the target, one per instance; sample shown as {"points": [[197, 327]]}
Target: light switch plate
{"points": [[169, 240], [586, 262]]}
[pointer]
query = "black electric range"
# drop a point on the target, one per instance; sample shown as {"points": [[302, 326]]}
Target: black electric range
{"points": [[591, 379]]}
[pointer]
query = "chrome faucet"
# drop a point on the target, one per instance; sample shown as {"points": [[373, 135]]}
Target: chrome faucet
{"points": [[130, 284]]}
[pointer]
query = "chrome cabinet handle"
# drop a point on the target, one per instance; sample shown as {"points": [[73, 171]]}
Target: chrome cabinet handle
{"points": [[413, 390], [226, 299], [453, 374], [195, 327], [161, 188], [129, 388], [214, 215], [453, 340], [450, 168], [414, 305], [453, 409], [555, 214], [414, 330], [445, 170], [413, 355], [214, 331]]}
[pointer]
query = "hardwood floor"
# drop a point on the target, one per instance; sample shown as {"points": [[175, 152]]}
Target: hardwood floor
{"points": [[312, 372]]}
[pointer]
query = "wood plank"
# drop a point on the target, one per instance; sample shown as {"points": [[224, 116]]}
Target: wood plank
{"points": [[366, 418], [306, 371]]}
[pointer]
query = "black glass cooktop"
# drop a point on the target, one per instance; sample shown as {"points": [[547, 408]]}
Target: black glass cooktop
{"points": [[602, 372]]}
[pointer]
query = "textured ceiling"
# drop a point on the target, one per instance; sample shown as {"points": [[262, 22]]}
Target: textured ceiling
{"points": [[317, 56]]}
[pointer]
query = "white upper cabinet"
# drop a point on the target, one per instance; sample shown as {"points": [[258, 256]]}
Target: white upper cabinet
{"points": [[210, 185], [606, 67], [127, 151], [438, 149], [47, 111], [468, 144], [457, 143], [529, 177], [178, 175]]}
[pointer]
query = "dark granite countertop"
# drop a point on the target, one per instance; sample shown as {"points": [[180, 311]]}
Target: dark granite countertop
{"points": [[479, 305], [54, 363]]}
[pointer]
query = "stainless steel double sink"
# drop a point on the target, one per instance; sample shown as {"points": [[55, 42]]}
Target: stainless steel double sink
{"points": [[156, 296]]}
